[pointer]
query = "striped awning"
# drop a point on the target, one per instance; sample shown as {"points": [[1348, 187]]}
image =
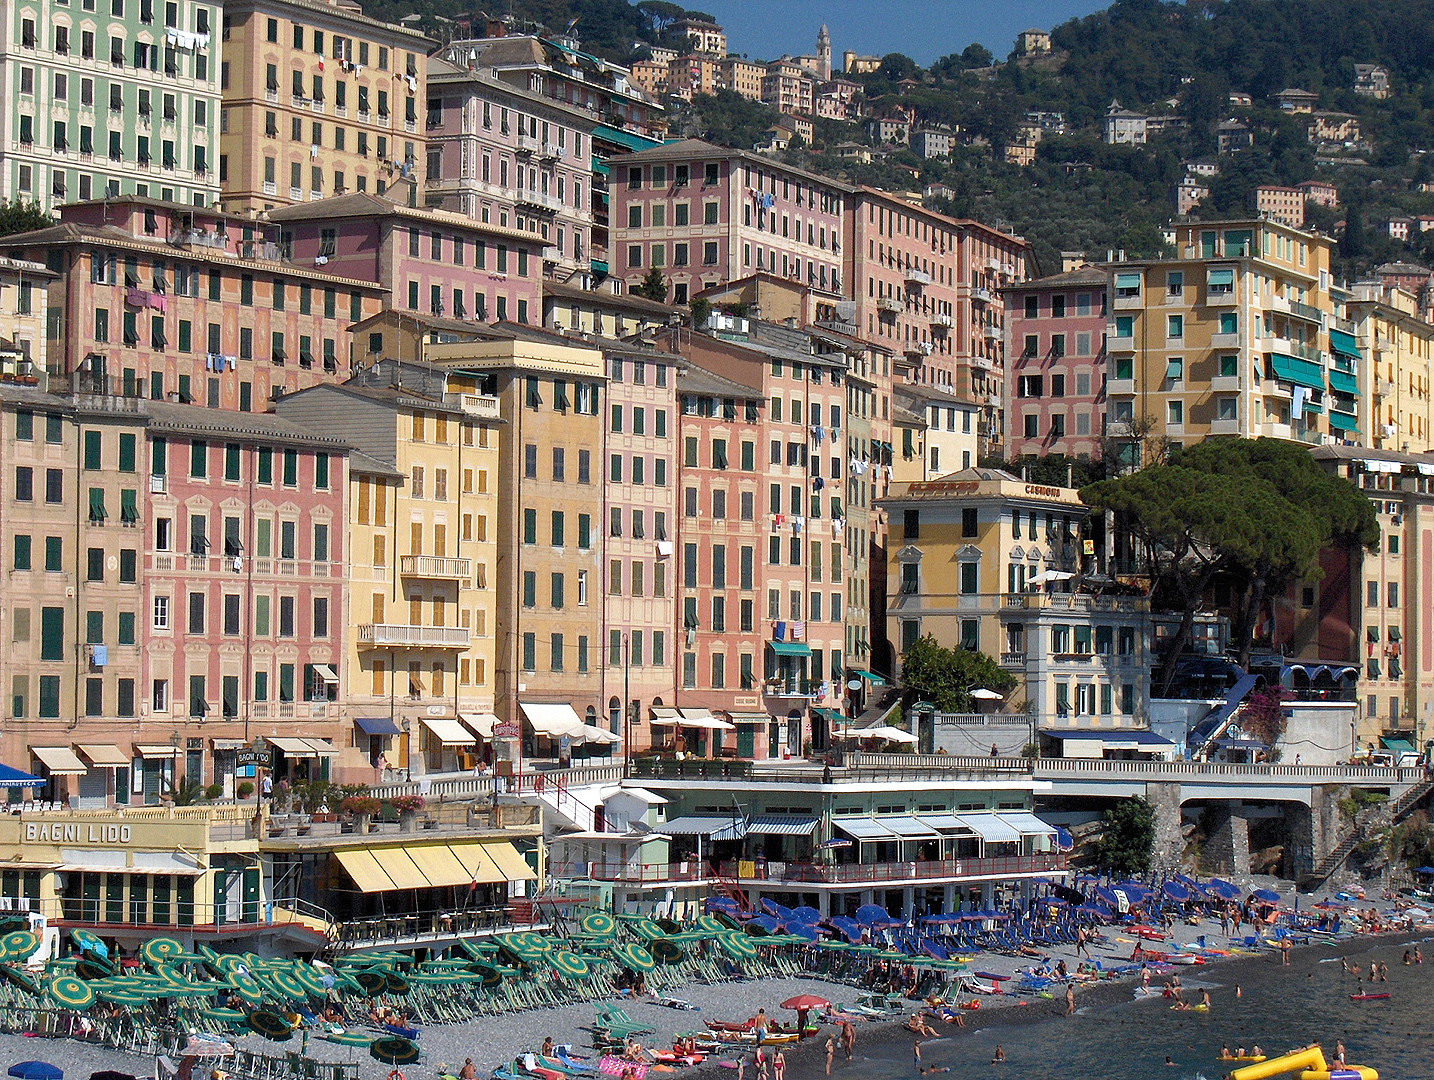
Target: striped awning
{"points": [[781, 825]]}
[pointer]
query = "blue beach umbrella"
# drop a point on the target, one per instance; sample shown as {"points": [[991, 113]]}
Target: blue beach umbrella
{"points": [[36, 1070]]}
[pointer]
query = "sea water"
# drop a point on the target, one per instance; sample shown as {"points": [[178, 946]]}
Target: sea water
{"points": [[1280, 1008]]}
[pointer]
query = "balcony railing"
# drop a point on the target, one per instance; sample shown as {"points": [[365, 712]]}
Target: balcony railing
{"points": [[420, 637], [435, 566], [813, 873], [918, 277], [942, 320], [890, 303]]}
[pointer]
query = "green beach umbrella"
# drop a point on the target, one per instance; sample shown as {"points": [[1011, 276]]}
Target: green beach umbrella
{"points": [[309, 979], [224, 1016], [88, 969], [834, 946], [124, 997], [647, 930], [245, 987], [70, 992], [87, 942], [736, 946], [161, 950], [711, 925], [24, 980], [347, 1038], [18, 945], [490, 975], [288, 985], [599, 924], [396, 984], [664, 950], [371, 982], [271, 1025], [568, 964], [635, 957], [394, 1050]]}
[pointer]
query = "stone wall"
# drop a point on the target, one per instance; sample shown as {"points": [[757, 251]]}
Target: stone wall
{"points": [[1169, 844]]}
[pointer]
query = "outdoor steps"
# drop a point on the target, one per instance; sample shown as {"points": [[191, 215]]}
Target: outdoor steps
{"points": [[1394, 811]]}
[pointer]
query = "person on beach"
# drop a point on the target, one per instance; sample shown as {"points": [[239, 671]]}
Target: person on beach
{"points": [[741, 1067], [547, 1050], [468, 1072], [848, 1038], [760, 1059], [1169, 1060], [1383, 971], [831, 1053], [779, 1065], [759, 1025], [1205, 998], [1000, 1054], [1144, 978], [916, 1055], [1338, 1052], [1070, 1000], [1418, 956], [1082, 942], [1256, 1051], [1407, 958]]}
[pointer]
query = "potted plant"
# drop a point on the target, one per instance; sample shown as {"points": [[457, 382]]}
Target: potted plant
{"points": [[361, 808], [408, 807]]}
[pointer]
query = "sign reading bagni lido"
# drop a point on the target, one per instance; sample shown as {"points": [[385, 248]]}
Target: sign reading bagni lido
{"points": [[57, 832]]}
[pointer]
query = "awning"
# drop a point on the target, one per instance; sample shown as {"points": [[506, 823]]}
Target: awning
{"points": [[711, 826], [60, 760], [481, 724], [553, 721], [781, 825], [326, 673], [479, 867], [1295, 370], [1343, 343], [790, 648], [1398, 746], [439, 865], [1026, 823], [104, 756], [750, 717], [909, 828], [1114, 739], [990, 828], [859, 828], [363, 869], [399, 868], [512, 865], [446, 731], [220, 744], [1127, 281], [875, 680], [1342, 382], [156, 750], [1220, 277], [1343, 422], [660, 714], [116, 865], [890, 734], [600, 736], [944, 822], [694, 718], [639, 793], [302, 748], [377, 725]]}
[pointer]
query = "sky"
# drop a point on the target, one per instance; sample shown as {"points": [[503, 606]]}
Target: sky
{"points": [[924, 30]]}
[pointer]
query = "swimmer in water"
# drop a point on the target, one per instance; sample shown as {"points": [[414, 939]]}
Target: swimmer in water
{"points": [[1169, 1060], [1000, 1054]]}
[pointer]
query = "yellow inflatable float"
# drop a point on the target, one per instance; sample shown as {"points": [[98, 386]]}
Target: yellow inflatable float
{"points": [[1310, 1063]]}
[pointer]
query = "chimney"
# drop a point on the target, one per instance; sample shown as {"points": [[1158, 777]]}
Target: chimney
{"points": [[495, 28], [790, 322], [1070, 475]]}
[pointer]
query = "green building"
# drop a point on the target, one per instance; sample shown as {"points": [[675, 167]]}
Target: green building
{"points": [[109, 97]]}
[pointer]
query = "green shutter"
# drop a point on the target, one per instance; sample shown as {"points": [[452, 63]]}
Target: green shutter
{"points": [[22, 551], [158, 453], [93, 443], [126, 452], [198, 458], [52, 633], [291, 468], [321, 471], [129, 506], [266, 465], [231, 461]]}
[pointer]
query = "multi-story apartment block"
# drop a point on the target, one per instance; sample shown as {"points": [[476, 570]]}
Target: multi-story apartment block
{"points": [[245, 592], [651, 76], [948, 432], [551, 397], [931, 143], [73, 666], [167, 301], [743, 77], [1190, 193], [707, 37], [1227, 338], [1283, 204], [24, 321], [1371, 80], [1386, 345], [426, 260], [601, 312], [422, 534], [1320, 192], [1055, 383], [788, 87], [319, 100], [559, 70], [1124, 127], [703, 215], [639, 523], [128, 107], [973, 561], [509, 157], [989, 259], [688, 76], [802, 552]]}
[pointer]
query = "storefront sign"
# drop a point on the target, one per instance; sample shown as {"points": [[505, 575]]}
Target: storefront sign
{"points": [[247, 756], [507, 731], [55, 832]]}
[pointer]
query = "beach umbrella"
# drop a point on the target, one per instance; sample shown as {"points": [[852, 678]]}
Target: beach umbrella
{"points": [[598, 923], [224, 1016], [871, 914], [287, 985], [637, 958], [805, 914], [347, 1038], [18, 945], [1176, 891], [161, 950], [23, 979], [371, 982], [805, 1003], [570, 965], [91, 945], [71, 992], [736, 946], [394, 1050], [36, 1070], [271, 1025], [665, 950], [247, 989], [1223, 889], [309, 979], [804, 931], [1269, 896], [396, 984], [111, 1074]]}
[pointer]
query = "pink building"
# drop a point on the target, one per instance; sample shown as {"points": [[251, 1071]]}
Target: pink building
{"points": [[426, 260], [1055, 388], [704, 214], [176, 302], [512, 158], [246, 595]]}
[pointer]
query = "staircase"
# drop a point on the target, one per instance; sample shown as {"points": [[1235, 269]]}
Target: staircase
{"points": [[1394, 811], [729, 888]]}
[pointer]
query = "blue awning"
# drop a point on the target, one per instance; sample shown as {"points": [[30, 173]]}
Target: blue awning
{"points": [[1300, 372], [12, 777], [1344, 344], [1342, 382], [377, 725]]}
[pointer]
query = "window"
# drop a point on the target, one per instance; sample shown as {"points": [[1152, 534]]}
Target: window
{"points": [[969, 578], [1174, 413], [968, 521]]}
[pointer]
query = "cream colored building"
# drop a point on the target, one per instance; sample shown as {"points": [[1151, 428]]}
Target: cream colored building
{"points": [[1226, 338], [743, 77], [1392, 352], [318, 100], [422, 539], [24, 307]]}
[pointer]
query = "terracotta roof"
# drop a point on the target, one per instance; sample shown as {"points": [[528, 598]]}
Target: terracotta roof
{"points": [[1085, 275], [698, 380], [362, 204]]}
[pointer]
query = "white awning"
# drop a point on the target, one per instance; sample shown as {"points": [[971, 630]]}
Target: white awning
{"points": [[989, 828], [909, 828], [664, 714], [749, 717], [553, 721], [481, 724], [223, 744], [946, 823], [884, 732], [303, 748], [326, 673], [781, 825], [60, 760], [104, 756], [693, 718], [1027, 824], [859, 828], [594, 734], [156, 750], [446, 731], [639, 793]]}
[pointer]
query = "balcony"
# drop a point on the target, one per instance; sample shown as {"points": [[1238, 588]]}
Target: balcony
{"points": [[942, 321], [983, 295], [537, 200], [479, 405], [992, 333], [1384, 388], [889, 305], [552, 253], [840, 875], [919, 278], [382, 635], [787, 688], [1119, 387], [1225, 341], [982, 363], [552, 151], [529, 145], [435, 566]]}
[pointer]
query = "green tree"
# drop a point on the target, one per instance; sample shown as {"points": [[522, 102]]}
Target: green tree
{"points": [[653, 287], [700, 309], [19, 217], [977, 55], [945, 677], [1124, 846]]}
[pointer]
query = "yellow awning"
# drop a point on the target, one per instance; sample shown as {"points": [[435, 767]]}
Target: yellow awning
{"points": [[103, 755], [476, 863], [439, 865], [60, 760], [512, 865], [400, 869], [365, 871]]}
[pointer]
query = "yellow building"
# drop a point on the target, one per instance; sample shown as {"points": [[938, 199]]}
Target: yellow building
{"points": [[318, 99], [1226, 338], [422, 542], [981, 559], [1391, 346]]}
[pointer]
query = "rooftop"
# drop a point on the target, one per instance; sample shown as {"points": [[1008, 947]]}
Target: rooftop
{"points": [[362, 204]]}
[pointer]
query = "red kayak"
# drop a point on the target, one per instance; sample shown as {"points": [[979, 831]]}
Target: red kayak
{"points": [[1367, 997]]}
